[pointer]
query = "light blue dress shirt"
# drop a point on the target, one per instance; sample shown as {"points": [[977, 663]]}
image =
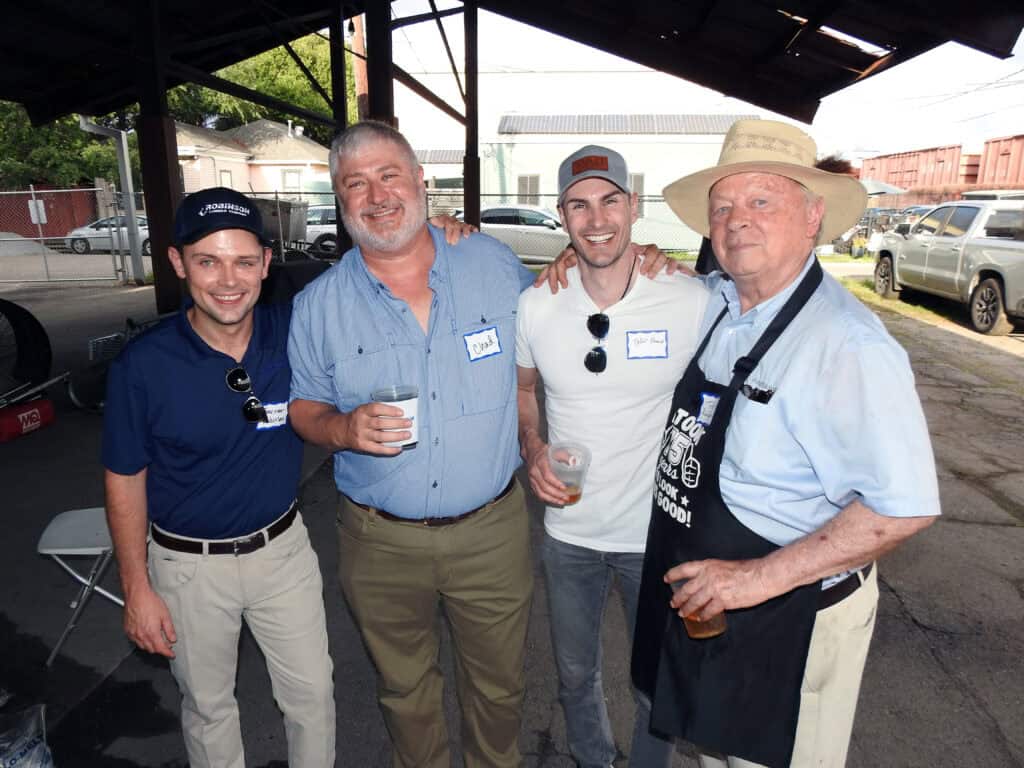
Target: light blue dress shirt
{"points": [[350, 335], [844, 422]]}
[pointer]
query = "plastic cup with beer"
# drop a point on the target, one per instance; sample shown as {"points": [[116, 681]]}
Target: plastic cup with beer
{"points": [[570, 461], [702, 630], [406, 397]]}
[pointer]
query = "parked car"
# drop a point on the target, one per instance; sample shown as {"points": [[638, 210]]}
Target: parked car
{"points": [[969, 251], [912, 214], [534, 233], [322, 229], [994, 194], [107, 234]]}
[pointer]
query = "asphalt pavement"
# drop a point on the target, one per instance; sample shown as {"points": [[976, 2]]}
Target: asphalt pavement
{"points": [[942, 685]]}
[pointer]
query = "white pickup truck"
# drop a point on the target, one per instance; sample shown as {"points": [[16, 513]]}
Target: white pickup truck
{"points": [[971, 251]]}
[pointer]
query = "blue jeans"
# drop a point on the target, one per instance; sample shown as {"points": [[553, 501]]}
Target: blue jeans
{"points": [[578, 581]]}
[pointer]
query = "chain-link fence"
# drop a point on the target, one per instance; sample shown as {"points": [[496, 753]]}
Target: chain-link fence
{"points": [[65, 235]]}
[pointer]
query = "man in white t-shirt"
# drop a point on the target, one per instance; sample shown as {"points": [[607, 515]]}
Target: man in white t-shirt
{"points": [[610, 349]]}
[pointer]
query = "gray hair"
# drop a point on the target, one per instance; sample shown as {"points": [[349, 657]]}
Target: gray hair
{"points": [[368, 131]]}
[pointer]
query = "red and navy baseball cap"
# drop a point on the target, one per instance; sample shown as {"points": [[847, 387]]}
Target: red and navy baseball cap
{"points": [[210, 210]]}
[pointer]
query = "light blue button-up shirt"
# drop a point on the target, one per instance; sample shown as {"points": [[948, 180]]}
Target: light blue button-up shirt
{"points": [[350, 335], [844, 422]]}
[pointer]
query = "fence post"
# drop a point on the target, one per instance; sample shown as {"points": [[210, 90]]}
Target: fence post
{"points": [[46, 263]]}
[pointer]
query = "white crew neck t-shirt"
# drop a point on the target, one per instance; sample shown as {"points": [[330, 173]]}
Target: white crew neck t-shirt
{"points": [[618, 414]]}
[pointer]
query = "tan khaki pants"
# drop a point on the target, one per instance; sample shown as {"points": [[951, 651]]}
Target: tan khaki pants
{"points": [[828, 694], [279, 592], [394, 576]]}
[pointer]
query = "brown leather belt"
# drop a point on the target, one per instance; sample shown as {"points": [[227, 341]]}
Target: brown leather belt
{"points": [[843, 589], [240, 546], [431, 522]]}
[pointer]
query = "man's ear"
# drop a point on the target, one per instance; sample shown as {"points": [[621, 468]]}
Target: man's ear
{"points": [[815, 215], [634, 207], [177, 259], [267, 256]]}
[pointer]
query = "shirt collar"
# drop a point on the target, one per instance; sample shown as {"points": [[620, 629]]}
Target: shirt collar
{"points": [[260, 338], [438, 270], [761, 314]]}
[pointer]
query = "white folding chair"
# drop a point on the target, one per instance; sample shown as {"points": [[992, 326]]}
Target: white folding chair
{"points": [[79, 533]]}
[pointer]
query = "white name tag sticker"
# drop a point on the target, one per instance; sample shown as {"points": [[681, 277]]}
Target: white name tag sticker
{"points": [[646, 344], [483, 343], [277, 415]]}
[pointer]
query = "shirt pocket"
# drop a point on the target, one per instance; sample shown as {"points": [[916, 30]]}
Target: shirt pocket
{"points": [[487, 352], [366, 366]]}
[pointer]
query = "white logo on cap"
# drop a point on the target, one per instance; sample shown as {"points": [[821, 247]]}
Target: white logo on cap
{"points": [[235, 208]]}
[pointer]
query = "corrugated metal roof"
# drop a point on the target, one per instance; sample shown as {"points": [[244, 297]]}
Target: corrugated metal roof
{"points": [[447, 156], [619, 124]]}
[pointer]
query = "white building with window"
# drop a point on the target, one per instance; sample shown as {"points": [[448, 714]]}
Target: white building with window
{"points": [[521, 165], [262, 157]]}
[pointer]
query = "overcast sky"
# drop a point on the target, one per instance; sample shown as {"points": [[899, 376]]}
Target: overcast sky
{"points": [[951, 95]]}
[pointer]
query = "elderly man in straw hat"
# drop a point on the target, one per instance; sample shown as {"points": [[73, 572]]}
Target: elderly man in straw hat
{"points": [[795, 454]]}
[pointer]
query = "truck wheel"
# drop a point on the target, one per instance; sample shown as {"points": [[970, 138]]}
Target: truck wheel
{"points": [[988, 314], [884, 284]]}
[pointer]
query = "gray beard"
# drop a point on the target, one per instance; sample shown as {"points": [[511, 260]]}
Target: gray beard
{"points": [[413, 218]]}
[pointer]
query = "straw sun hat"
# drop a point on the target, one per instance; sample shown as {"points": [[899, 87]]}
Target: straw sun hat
{"points": [[767, 146]]}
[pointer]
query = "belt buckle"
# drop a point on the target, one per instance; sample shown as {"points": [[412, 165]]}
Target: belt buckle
{"points": [[244, 546]]}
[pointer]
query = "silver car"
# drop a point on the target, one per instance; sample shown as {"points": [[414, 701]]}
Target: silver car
{"points": [[108, 234], [971, 251], [534, 233]]}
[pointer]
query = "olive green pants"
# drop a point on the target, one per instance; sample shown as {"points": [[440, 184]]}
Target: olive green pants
{"points": [[394, 576]]}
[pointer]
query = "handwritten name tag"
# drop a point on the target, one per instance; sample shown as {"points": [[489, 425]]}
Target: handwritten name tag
{"points": [[277, 415], [646, 344], [483, 343]]}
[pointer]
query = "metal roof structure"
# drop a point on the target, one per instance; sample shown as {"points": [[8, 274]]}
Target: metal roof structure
{"points": [[619, 124], [782, 55], [440, 156]]}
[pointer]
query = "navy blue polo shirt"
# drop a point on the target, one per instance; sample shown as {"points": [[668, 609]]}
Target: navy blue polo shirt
{"points": [[211, 474]]}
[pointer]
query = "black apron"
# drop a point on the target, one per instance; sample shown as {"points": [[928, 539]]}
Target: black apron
{"points": [[738, 693]]}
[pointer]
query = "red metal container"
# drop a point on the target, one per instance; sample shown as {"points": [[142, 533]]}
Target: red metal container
{"points": [[1002, 163], [21, 418]]}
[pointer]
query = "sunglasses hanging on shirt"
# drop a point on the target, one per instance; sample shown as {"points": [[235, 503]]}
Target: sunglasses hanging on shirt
{"points": [[597, 359], [238, 381], [598, 324]]}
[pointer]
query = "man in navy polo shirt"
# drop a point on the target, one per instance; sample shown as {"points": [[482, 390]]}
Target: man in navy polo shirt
{"points": [[200, 455]]}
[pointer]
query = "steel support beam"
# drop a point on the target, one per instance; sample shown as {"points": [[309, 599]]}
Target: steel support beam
{"points": [[158, 150], [378, 62], [471, 161], [339, 104]]}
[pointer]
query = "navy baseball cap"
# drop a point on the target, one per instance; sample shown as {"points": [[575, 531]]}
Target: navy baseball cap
{"points": [[210, 210]]}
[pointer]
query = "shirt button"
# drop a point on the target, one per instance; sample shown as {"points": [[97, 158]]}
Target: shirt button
{"points": [[437, 441], [434, 485], [433, 395]]}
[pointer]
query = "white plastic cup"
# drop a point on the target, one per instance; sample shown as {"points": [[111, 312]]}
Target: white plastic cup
{"points": [[569, 462], [406, 397]]}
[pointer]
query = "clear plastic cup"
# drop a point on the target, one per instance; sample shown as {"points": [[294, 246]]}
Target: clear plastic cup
{"points": [[570, 462]]}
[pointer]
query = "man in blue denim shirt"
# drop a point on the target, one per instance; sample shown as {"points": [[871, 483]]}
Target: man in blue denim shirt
{"points": [[443, 521]]}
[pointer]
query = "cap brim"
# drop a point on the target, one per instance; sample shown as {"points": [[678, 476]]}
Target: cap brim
{"points": [[196, 236], [845, 197]]}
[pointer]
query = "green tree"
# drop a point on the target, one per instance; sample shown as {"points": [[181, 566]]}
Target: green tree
{"points": [[58, 153]]}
